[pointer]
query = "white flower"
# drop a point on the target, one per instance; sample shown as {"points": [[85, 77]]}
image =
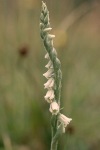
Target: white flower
{"points": [[49, 84], [63, 119], [46, 56], [49, 65], [54, 108], [49, 73], [49, 96]]}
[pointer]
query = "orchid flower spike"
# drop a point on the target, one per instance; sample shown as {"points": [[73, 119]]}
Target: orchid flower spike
{"points": [[54, 77]]}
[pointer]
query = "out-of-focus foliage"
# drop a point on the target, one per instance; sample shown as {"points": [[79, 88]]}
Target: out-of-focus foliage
{"points": [[24, 115]]}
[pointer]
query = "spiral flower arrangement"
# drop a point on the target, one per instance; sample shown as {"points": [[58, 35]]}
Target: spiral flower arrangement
{"points": [[53, 76]]}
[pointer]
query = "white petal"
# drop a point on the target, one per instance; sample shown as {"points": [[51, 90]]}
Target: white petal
{"points": [[49, 73], [63, 119], [54, 108]]}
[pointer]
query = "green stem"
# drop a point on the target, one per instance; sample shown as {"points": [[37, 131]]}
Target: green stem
{"points": [[54, 145], [54, 142]]}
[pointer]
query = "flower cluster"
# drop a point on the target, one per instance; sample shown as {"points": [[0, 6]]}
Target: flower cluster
{"points": [[50, 86]]}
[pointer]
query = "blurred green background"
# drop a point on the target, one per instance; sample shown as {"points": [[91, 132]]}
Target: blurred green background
{"points": [[24, 115]]}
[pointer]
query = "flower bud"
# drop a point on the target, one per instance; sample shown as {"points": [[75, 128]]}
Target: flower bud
{"points": [[42, 17], [46, 19], [47, 29], [41, 26]]}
